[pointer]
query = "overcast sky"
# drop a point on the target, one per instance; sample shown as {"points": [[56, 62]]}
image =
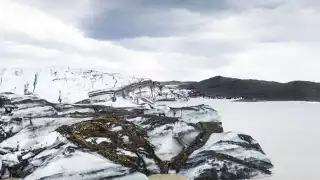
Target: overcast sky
{"points": [[166, 39]]}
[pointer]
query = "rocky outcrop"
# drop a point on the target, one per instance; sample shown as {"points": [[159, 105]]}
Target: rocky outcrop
{"points": [[248, 89], [43, 140]]}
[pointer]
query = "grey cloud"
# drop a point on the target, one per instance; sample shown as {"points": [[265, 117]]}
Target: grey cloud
{"points": [[119, 19], [118, 24], [194, 5]]}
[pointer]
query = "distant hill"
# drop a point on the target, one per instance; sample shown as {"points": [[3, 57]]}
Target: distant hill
{"points": [[249, 89]]}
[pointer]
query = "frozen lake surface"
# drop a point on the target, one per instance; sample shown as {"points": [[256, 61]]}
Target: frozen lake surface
{"points": [[288, 132]]}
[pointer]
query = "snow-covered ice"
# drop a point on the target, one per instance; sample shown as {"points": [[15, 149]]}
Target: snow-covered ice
{"points": [[170, 127], [71, 84]]}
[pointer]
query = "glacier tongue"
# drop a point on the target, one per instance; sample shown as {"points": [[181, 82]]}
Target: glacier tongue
{"points": [[72, 85], [69, 85]]}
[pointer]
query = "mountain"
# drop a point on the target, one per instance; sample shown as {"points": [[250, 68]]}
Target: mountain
{"points": [[248, 89], [84, 124]]}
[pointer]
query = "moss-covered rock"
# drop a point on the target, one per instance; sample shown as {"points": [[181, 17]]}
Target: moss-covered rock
{"points": [[124, 143]]}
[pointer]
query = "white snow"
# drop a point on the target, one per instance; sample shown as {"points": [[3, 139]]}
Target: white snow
{"points": [[116, 128], [75, 165], [98, 140], [126, 139], [203, 114], [26, 140], [125, 152], [27, 156], [10, 159], [35, 112], [216, 137], [163, 139], [46, 153], [166, 147], [29, 105], [74, 110], [14, 128]]}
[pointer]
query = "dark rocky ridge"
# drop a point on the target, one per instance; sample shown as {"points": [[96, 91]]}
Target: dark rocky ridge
{"points": [[249, 89]]}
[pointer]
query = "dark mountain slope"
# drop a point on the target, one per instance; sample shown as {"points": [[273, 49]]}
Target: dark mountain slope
{"points": [[248, 89]]}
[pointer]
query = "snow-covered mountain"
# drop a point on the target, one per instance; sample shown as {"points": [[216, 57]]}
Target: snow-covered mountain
{"points": [[120, 128]]}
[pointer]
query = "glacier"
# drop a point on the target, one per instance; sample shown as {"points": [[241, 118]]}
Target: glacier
{"points": [[115, 127]]}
